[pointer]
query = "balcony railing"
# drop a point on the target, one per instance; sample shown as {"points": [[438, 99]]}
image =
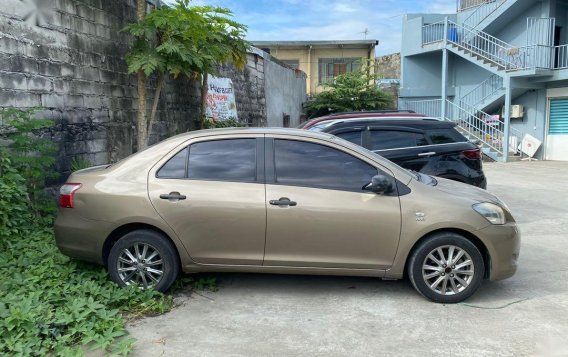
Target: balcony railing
{"points": [[561, 57], [432, 33]]}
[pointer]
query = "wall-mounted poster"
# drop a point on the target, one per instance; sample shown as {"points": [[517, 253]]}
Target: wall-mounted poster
{"points": [[221, 104]]}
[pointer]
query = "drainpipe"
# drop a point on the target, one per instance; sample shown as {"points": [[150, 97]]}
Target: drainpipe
{"points": [[310, 76], [507, 118], [444, 70]]}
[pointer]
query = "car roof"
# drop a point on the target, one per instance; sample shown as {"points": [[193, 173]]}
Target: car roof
{"points": [[252, 130], [363, 115], [423, 123]]}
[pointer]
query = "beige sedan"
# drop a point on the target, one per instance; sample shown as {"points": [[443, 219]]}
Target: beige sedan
{"points": [[283, 201]]}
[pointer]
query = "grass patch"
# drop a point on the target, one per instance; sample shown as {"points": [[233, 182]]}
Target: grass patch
{"points": [[51, 304]]}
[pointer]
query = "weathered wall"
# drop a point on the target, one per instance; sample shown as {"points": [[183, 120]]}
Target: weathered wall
{"points": [[285, 93], [72, 67]]}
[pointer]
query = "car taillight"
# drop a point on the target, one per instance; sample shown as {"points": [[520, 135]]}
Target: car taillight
{"points": [[66, 193], [472, 154]]}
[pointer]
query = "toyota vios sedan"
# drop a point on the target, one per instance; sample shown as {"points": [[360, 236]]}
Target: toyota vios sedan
{"points": [[283, 201]]}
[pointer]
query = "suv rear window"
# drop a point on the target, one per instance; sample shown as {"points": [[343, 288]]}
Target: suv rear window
{"points": [[392, 139], [445, 136]]}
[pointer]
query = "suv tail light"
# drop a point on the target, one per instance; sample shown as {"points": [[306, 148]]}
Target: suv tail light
{"points": [[472, 154], [66, 193]]}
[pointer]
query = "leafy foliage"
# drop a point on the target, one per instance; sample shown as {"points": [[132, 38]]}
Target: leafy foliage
{"points": [[354, 91], [51, 303], [31, 155], [14, 207], [79, 163], [183, 40]]}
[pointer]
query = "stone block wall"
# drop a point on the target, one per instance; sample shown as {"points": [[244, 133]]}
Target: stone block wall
{"points": [[72, 67]]}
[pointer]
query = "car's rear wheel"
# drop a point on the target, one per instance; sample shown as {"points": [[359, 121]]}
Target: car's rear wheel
{"points": [[446, 268], [144, 258]]}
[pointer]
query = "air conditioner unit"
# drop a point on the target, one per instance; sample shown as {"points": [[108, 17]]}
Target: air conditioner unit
{"points": [[517, 111]]}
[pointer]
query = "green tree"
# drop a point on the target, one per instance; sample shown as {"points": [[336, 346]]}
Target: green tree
{"points": [[353, 91], [181, 40], [32, 155]]}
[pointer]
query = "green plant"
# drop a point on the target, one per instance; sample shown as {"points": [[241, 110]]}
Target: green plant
{"points": [[50, 304], [209, 123], [80, 163], [181, 40], [354, 91], [32, 155], [14, 207]]}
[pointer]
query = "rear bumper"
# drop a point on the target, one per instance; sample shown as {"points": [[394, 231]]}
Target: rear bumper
{"points": [[504, 244], [80, 238]]}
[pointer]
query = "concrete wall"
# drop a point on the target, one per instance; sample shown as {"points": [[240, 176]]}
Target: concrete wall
{"points": [[285, 93], [72, 67]]}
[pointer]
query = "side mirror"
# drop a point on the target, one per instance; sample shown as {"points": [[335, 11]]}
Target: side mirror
{"points": [[380, 184]]}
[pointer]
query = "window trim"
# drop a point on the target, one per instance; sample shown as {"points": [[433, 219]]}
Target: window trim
{"points": [[270, 148], [259, 160]]}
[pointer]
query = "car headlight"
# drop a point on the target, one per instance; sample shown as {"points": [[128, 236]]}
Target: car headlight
{"points": [[491, 212]]}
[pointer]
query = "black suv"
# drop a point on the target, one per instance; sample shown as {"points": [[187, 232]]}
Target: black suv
{"points": [[415, 142]]}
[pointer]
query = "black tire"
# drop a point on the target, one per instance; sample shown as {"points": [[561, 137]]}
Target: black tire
{"points": [[417, 262], [153, 240]]}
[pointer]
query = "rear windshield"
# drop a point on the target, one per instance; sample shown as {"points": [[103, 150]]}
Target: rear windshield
{"points": [[445, 136]]}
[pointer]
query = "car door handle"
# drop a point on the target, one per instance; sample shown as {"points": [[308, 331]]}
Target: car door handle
{"points": [[172, 196], [430, 153], [283, 202]]}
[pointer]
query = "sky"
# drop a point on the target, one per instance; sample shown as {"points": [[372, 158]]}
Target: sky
{"points": [[271, 20]]}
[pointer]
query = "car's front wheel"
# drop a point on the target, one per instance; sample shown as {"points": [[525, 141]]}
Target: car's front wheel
{"points": [[144, 258], [446, 268]]}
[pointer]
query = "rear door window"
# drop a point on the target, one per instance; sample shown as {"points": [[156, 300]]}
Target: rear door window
{"points": [[223, 160], [352, 136], [392, 139], [445, 136]]}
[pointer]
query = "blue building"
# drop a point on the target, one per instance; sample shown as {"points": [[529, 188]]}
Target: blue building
{"points": [[499, 68]]}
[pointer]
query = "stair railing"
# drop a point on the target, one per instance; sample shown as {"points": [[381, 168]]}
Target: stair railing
{"points": [[478, 124], [483, 11], [486, 46], [431, 107], [484, 90]]}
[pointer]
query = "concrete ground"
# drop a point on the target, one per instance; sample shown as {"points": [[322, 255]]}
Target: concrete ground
{"points": [[274, 315]]}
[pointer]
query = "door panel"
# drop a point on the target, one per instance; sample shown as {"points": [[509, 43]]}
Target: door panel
{"points": [[218, 222], [331, 222], [331, 228]]}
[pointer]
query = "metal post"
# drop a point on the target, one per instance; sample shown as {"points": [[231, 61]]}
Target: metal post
{"points": [[444, 70], [507, 118]]}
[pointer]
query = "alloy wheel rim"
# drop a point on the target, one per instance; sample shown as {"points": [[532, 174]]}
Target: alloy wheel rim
{"points": [[140, 264], [448, 270]]}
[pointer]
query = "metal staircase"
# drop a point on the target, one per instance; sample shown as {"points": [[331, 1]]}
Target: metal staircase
{"points": [[489, 8], [486, 50], [486, 93]]}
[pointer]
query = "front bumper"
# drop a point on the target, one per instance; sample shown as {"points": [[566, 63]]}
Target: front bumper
{"points": [[80, 238], [503, 243]]}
